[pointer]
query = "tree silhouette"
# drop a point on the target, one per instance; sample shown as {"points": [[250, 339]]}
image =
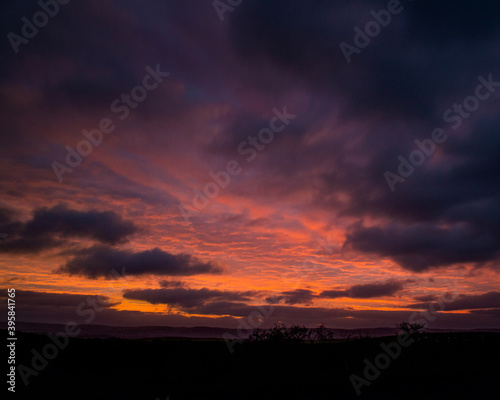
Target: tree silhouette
{"points": [[414, 330]]}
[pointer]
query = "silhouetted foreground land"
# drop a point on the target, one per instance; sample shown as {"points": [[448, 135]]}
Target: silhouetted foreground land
{"points": [[441, 366]]}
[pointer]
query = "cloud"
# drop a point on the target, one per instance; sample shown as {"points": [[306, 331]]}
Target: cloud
{"points": [[51, 227], [168, 284], [426, 297], [466, 302], [107, 262], [58, 301], [102, 226], [298, 296], [366, 291], [185, 298], [423, 246], [495, 312], [26, 245], [8, 223]]}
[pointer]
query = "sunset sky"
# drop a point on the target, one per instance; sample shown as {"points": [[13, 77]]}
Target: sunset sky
{"points": [[245, 158]]}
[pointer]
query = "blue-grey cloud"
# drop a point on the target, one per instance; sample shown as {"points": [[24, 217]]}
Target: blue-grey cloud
{"points": [[366, 291], [466, 302], [108, 262], [52, 227]]}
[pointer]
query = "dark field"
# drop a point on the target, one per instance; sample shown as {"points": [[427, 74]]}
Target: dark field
{"points": [[440, 366]]}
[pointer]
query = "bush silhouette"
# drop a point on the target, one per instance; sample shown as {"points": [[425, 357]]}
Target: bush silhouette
{"points": [[414, 330], [296, 334]]}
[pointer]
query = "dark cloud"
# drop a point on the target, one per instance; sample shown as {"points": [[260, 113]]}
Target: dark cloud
{"points": [[59, 301], [435, 221], [102, 226], [8, 222], [169, 284], [303, 39], [370, 290], [495, 313], [426, 297], [102, 261], [466, 302], [185, 298], [334, 294], [420, 247], [51, 227], [366, 291], [26, 245], [457, 21], [298, 296]]}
